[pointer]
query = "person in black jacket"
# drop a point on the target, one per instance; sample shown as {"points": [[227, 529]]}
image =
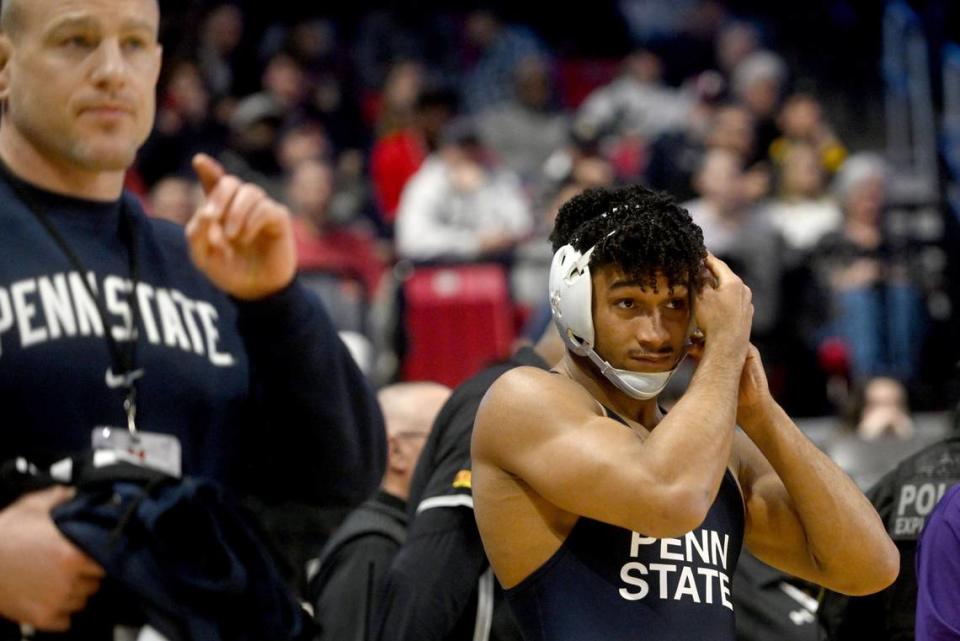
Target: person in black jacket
{"points": [[772, 605], [345, 580], [439, 585], [107, 318], [904, 498]]}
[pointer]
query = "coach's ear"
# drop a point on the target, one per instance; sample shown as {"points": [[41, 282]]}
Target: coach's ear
{"points": [[6, 50]]}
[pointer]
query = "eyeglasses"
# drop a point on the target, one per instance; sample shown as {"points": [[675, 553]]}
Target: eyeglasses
{"points": [[410, 435]]}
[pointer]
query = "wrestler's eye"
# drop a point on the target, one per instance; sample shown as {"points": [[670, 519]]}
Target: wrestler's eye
{"points": [[678, 304], [625, 303]]}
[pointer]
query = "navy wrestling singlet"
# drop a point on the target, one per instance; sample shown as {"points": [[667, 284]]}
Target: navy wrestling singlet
{"points": [[606, 583]]}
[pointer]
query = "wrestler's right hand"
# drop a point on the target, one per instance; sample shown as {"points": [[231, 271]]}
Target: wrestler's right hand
{"points": [[44, 578], [724, 310]]}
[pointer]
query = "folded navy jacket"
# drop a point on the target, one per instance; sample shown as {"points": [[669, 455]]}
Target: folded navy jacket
{"points": [[179, 555]]}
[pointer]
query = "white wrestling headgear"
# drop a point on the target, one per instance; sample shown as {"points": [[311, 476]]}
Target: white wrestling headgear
{"points": [[571, 303]]}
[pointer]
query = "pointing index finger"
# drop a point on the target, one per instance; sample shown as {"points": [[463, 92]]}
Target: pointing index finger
{"points": [[208, 170]]}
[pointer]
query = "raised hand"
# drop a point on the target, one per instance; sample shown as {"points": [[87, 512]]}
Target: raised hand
{"points": [[239, 237], [754, 389], [724, 309]]}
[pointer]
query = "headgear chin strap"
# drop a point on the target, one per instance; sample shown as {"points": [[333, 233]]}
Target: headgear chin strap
{"points": [[571, 306]]}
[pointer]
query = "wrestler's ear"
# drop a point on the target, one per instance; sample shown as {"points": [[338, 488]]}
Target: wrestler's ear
{"points": [[697, 343]]}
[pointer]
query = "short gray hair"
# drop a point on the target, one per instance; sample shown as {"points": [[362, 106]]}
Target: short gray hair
{"points": [[758, 66], [855, 170]]}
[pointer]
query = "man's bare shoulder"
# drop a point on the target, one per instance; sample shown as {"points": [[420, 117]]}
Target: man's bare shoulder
{"points": [[523, 388], [529, 403]]}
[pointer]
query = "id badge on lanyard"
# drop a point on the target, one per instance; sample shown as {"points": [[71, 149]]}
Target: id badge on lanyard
{"points": [[149, 449]]}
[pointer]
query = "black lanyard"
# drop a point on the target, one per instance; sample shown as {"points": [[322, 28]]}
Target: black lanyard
{"points": [[124, 360]]}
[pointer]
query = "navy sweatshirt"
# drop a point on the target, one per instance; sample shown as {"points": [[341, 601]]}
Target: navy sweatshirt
{"points": [[263, 395]]}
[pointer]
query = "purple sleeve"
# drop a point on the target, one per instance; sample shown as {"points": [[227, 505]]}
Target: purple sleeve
{"points": [[938, 572]]}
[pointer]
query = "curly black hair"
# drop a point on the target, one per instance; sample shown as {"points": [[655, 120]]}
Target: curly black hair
{"points": [[653, 235]]}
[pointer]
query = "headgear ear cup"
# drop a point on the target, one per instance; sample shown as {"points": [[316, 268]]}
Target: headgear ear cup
{"points": [[571, 303], [571, 298]]}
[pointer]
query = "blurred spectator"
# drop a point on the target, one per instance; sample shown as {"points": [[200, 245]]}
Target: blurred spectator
{"points": [[758, 82], [524, 130], [700, 34], [220, 35], [315, 74], [384, 37], [404, 31], [397, 156], [459, 205], [877, 309], [175, 199], [332, 76], [353, 203], [905, 498], [583, 144], [735, 41], [676, 155], [314, 43], [396, 103], [258, 119], [588, 172], [322, 244], [737, 231], [184, 125], [333, 102], [344, 582], [498, 49], [637, 102], [685, 42], [311, 42], [938, 572], [300, 142], [734, 128], [884, 410], [307, 141], [285, 82], [801, 122], [185, 100], [802, 210], [254, 126], [651, 20]]}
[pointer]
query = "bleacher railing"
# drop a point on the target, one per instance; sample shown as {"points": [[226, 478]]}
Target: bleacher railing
{"points": [[911, 124]]}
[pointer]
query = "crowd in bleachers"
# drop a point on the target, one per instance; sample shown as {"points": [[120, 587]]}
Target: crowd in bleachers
{"points": [[455, 139]]}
